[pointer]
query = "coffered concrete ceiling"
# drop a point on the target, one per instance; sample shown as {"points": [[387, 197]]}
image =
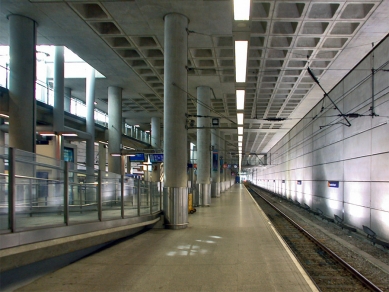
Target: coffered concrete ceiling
{"points": [[124, 41]]}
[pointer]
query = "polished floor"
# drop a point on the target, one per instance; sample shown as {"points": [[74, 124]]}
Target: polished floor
{"points": [[229, 246]]}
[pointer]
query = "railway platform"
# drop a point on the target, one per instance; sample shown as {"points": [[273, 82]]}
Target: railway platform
{"points": [[229, 246]]}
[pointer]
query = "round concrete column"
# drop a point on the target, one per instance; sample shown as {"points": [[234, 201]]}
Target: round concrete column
{"points": [[175, 203], [114, 128], [90, 124], [204, 94], [22, 109], [68, 95], [156, 132], [215, 171], [59, 104]]}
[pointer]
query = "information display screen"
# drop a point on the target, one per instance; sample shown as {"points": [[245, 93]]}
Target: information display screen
{"points": [[156, 157], [138, 157]]}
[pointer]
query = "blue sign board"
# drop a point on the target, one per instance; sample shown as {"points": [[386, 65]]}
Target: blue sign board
{"points": [[299, 182], [156, 157], [138, 157], [283, 181], [333, 184]]}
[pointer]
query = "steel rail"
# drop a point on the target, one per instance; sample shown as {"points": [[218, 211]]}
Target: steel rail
{"points": [[353, 271]]}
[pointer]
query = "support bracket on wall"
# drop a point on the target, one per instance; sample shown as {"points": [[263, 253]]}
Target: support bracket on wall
{"points": [[347, 123]]}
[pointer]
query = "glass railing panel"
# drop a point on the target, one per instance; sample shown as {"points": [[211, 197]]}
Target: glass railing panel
{"points": [[39, 199], [155, 196], [130, 197], [3, 189], [110, 195], [144, 197], [82, 196]]}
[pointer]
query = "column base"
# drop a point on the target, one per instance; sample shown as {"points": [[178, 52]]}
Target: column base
{"points": [[175, 207], [204, 194], [215, 190]]}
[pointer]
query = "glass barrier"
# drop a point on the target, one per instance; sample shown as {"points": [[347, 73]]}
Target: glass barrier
{"points": [[82, 195], [131, 187], [144, 197], [39, 185], [51, 192], [111, 195], [155, 191]]}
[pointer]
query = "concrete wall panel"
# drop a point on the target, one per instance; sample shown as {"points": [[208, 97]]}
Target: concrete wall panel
{"points": [[307, 173], [333, 152], [380, 139], [357, 169], [380, 167], [356, 215], [331, 171], [334, 135], [357, 146], [380, 196], [357, 193], [379, 223]]}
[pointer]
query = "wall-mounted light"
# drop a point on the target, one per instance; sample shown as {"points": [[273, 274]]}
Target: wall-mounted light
{"points": [[240, 60], [241, 9], [240, 94]]}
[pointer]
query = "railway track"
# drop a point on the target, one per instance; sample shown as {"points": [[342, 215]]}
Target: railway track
{"points": [[326, 269]]}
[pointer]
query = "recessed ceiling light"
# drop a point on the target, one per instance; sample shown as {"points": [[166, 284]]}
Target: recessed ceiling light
{"points": [[242, 9], [240, 130], [239, 118], [240, 138], [240, 94], [241, 60]]}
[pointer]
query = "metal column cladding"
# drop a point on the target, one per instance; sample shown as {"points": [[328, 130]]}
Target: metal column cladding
{"points": [[175, 133]]}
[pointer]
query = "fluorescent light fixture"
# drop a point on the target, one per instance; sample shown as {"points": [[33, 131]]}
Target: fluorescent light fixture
{"points": [[240, 138], [102, 142], [136, 126], [69, 134], [4, 116], [241, 60], [240, 144], [239, 118], [240, 130], [241, 9], [147, 131], [240, 99], [47, 133], [115, 154]]}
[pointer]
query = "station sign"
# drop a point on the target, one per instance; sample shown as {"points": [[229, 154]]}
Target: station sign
{"points": [[299, 182], [333, 184]]}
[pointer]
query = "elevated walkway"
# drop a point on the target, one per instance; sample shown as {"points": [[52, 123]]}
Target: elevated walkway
{"points": [[229, 246]]}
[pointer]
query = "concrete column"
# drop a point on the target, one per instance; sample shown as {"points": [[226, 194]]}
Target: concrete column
{"points": [[102, 156], [22, 109], [124, 126], [204, 95], [156, 132], [175, 203], [59, 104], [114, 128], [215, 169], [90, 123], [68, 95]]}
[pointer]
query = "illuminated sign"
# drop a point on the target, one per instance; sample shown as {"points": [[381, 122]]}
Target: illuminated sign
{"points": [[156, 157]]}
